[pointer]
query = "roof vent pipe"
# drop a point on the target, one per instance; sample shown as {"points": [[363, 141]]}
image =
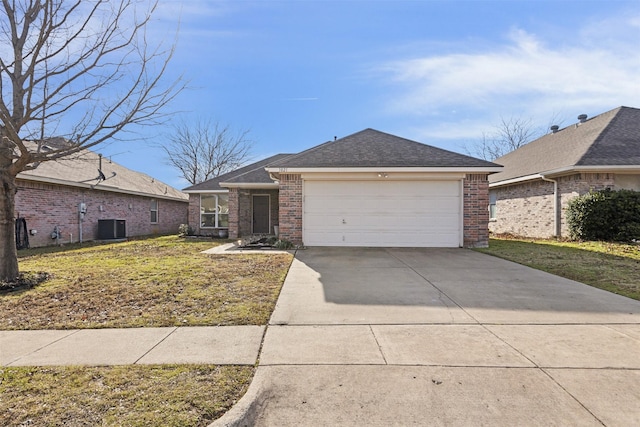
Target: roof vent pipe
{"points": [[582, 118], [554, 128]]}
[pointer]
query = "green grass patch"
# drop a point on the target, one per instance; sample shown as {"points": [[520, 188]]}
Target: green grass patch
{"points": [[167, 395], [614, 267], [162, 281]]}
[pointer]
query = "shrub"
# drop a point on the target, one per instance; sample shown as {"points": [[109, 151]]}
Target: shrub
{"points": [[283, 244], [185, 230], [605, 215]]}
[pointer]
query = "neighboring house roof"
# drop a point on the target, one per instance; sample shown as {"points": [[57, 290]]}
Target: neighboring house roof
{"points": [[81, 170], [254, 173], [372, 148], [609, 140]]}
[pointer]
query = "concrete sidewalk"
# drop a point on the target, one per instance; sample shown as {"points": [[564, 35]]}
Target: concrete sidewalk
{"points": [[441, 337], [224, 345]]}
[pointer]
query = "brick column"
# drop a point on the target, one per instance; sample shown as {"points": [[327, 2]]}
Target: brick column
{"points": [[290, 215], [234, 215], [476, 211]]}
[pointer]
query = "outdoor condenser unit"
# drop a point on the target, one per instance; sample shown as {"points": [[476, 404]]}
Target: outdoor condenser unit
{"points": [[112, 229]]}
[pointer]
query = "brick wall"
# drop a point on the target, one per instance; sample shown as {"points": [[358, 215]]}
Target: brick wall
{"points": [[45, 206], [290, 200], [476, 213], [234, 213], [194, 212], [527, 209]]}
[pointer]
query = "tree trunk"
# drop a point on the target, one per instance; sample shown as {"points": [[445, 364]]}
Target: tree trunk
{"points": [[8, 251]]}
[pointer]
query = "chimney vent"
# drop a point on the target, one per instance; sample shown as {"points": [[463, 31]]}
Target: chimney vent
{"points": [[554, 128], [582, 118]]}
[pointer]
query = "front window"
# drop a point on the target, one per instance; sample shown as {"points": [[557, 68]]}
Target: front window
{"points": [[492, 205], [214, 210], [154, 211]]}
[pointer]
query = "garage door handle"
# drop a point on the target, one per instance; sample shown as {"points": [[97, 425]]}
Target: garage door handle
{"points": [[344, 222]]}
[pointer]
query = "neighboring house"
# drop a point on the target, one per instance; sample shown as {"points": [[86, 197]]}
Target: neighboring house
{"points": [[52, 197], [530, 196], [367, 189]]}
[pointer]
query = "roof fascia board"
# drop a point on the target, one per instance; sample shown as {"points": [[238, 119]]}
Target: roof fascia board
{"points": [[249, 185], [483, 169], [389, 176], [564, 171], [595, 168], [98, 187], [204, 191]]}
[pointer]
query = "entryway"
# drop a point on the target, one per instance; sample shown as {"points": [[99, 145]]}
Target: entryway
{"points": [[260, 214]]}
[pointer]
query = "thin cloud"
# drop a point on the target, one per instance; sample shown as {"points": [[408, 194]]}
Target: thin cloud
{"points": [[525, 74]]}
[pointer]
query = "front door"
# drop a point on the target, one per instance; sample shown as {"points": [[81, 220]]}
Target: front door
{"points": [[260, 214]]}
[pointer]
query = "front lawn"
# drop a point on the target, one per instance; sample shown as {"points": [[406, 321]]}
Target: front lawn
{"points": [[614, 267], [163, 281], [168, 395]]}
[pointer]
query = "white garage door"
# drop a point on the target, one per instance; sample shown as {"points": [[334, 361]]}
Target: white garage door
{"points": [[382, 213]]}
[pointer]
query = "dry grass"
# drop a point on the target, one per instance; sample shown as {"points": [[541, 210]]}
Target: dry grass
{"points": [[120, 395], [614, 267], [163, 281]]}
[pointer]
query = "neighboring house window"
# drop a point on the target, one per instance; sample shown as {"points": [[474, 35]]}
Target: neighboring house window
{"points": [[214, 210], [154, 211], [492, 205]]}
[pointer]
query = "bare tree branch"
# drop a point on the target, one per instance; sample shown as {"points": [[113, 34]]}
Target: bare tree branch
{"points": [[81, 70], [204, 150]]}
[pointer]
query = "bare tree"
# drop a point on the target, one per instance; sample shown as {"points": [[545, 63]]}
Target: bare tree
{"points": [[206, 150], [82, 70], [509, 135]]}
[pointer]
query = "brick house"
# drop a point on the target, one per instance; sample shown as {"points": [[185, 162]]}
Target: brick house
{"points": [[367, 189], [51, 199], [530, 196]]}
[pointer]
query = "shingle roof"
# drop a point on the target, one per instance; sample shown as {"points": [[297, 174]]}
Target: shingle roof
{"points": [[372, 148], [81, 170], [609, 139], [253, 173]]}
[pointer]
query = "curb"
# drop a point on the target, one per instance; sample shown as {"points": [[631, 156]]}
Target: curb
{"points": [[245, 412]]}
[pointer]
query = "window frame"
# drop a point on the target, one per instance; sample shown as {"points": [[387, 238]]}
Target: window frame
{"points": [[155, 211], [219, 217], [493, 208]]}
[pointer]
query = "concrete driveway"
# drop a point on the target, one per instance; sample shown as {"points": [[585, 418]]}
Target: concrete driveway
{"points": [[442, 337]]}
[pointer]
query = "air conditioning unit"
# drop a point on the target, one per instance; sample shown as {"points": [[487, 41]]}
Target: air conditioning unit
{"points": [[112, 229]]}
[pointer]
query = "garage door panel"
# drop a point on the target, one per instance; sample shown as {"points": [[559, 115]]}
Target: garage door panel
{"points": [[382, 213]]}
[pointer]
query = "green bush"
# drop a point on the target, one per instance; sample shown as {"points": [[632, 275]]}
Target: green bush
{"points": [[605, 215]]}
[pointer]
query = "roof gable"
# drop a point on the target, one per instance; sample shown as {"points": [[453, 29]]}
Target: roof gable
{"points": [[252, 173], [372, 148], [609, 139]]}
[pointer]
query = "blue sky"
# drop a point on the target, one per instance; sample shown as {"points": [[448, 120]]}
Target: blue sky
{"points": [[298, 73]]}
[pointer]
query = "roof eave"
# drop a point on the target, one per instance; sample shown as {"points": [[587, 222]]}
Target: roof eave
{"points": [[466, 169], [222, 190], [567, 170], [98, 187], [250, 185]]}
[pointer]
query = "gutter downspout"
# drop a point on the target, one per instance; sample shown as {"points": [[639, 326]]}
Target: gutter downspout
{"points": [[556, 207]]}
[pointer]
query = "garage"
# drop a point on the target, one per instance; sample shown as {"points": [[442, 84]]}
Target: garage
{"points": [[382, 212]]}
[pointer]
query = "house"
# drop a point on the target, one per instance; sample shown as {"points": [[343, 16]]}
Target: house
{"points": [[367, 189], [88, 197], [530, 196]]}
